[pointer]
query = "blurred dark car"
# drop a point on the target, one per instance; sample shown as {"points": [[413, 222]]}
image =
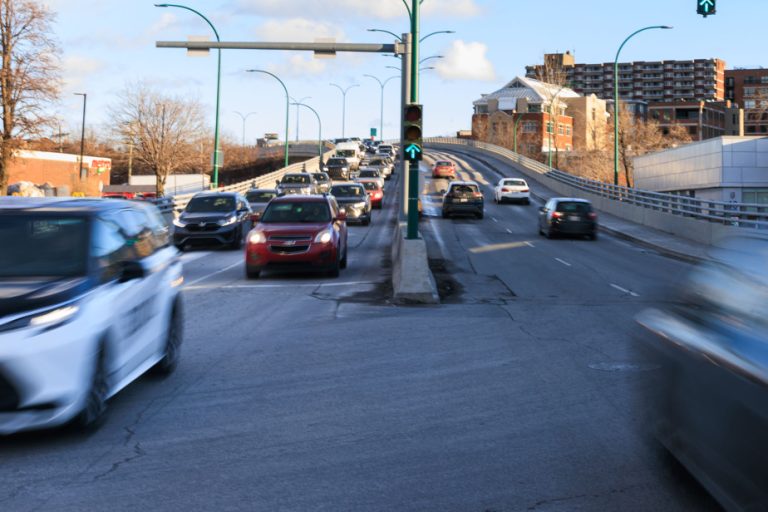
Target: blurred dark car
{"points": [[323, 182], [354, 199], [218, 217], [463, 197], [259, 197], [706, 397], [568, 216], [301, 183]]}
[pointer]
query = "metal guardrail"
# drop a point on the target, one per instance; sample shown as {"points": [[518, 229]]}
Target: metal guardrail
{"points": [[179, 202], [746, 215]]}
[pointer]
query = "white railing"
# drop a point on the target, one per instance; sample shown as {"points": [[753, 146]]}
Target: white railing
{"points": [[179, 202], [746, 215]]}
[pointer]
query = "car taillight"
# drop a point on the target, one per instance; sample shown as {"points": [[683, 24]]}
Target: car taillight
{"points": [[592, 216], [524, 190], [477, 194], [557, 215], [377, 195], [505, 189]]}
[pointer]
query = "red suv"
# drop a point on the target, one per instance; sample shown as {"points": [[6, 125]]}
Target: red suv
{"points": [[298, 231], [444, 169]]}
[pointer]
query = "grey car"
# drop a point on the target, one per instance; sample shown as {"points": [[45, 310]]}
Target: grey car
{"points": [[354, 198], [323, 182], [568, 216], [301, 183], [258, 198]]}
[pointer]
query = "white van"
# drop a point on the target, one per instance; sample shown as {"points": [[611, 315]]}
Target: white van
{"points": [[350, 151]]}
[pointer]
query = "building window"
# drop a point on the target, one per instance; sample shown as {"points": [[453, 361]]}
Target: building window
{"points": [[550, 127], [534, 108], [749, 91], [530, 127], [568, 130], [692, 130], [750, 129], [749, 103], [560, 129], [764, 79]]}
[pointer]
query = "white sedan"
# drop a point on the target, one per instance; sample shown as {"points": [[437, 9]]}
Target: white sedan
{"points": [[512, 189]]}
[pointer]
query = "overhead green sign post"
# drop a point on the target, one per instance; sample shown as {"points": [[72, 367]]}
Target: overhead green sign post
{"points": [[374, 132], [706, 7]]}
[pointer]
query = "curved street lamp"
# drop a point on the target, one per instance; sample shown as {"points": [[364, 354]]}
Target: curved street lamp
{"points": [[298, 102], [435, 33], [382, 85], [320, 130], [287, 105], [216, 153], [425, 59], [344, 105], [244, 117], [616, 100]]}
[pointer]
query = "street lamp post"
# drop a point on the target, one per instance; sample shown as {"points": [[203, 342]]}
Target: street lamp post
{"points": [[216, 152], [320, 130], [244, 117], [382, 85], [297, 103], [344, 105], [616, 109], [287, 105], [83, 175]]}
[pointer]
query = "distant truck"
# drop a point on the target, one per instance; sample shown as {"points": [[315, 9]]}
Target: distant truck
{"points": [[350, 151]]}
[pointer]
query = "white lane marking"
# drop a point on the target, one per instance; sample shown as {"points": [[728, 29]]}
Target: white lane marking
{"points": [[624, 290], [529, 244], [509, 231], [188, 257], [213, 274], [494, 219], [281, 285], [564, 262]]}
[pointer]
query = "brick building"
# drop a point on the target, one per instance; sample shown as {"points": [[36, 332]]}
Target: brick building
{"points": [[527, 112], [60, 170], [749, 89], [687, 92]]}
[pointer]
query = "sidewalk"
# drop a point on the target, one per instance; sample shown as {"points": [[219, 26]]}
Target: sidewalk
{"points": [[664, 243]]}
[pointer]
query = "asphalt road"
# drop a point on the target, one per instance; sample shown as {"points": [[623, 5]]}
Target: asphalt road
{"points": [[303, 393]]}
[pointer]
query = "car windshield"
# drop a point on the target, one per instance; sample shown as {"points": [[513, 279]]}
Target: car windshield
{"points": [[320, 176], [346, 152], [210, 204], [514, 183], [378, 161], [45, 246], [259, 197], [370, 185], [337, 161], [464, 189], [296, 211], [368, 173], [293, 179], [347, 191], [573, 207], [443, 164]]}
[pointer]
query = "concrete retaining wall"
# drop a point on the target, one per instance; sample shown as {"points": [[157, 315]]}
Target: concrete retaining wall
{"points": [[412, 280]]}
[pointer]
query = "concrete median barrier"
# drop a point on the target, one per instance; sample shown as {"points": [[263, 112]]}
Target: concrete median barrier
{"points": [[412, 280]]}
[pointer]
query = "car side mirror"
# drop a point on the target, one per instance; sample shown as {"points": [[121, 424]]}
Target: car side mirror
{"points": [[242, 211], [542, 208], [342, 214], [255, 216], [130, 270]]}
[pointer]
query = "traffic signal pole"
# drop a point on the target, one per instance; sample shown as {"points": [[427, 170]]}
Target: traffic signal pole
{"points": [[413, 167], [405, 99]]}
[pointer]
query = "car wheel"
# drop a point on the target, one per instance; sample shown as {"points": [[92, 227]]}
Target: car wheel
{"points": [[480, 215], [172, 350], [95, 408], [335, 269], [237, 243], [252, 272], [548, 233], [527, 201], [181, 247], [593, 236], [445, 214], [367, 221]]}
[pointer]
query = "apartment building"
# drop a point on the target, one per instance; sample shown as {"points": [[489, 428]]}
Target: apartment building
{"points": [[749, 89]]}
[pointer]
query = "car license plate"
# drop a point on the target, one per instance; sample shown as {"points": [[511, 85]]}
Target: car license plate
{"points": [[463, 200], [573, 218]]}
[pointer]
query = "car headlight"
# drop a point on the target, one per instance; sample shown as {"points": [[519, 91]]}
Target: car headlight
{"points": [[179, 223], [323, 237], [344, 169], [257, 237], [361, 204], [325, 169], [45, 320], [228, 221]]}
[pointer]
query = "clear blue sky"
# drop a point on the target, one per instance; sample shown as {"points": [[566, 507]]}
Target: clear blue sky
{"points": [[108, 43]]}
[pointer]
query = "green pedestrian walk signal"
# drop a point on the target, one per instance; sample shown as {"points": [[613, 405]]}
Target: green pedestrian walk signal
{"points": [[705, 7], [412, 132]]}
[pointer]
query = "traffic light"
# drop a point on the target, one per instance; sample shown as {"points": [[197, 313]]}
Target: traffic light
{"points": [[412, 119], [705, 7]]}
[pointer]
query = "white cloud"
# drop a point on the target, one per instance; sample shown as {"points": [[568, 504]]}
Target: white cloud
{"points": [[167, 20], [299, 65], [466, 61], [299, 30], [344, 9]]}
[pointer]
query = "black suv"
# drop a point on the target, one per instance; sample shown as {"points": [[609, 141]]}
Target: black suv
{"points": [[219, 217], [463, 197], [337, 168]]}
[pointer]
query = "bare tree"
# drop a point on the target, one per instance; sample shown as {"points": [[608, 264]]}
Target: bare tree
{"points": [[29, 78], [165, 130]]}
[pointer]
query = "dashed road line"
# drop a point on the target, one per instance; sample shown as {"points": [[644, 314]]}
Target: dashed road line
{"points": [[529, 244], [624, 290], [564, 262], [509, 231], [280, 285], [494, 219], [213, 274]]}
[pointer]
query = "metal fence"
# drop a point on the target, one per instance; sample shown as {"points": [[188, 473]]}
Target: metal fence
{"points": [[179, 202], [745, 215]]}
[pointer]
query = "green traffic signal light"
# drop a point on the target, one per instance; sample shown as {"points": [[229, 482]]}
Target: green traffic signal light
{"points": [[706, 7]]}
